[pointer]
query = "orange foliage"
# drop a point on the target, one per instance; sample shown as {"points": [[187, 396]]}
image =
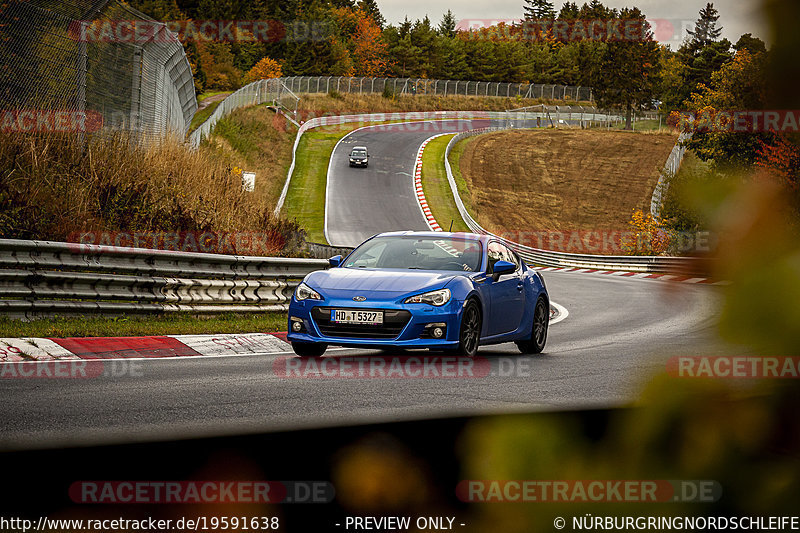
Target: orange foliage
{"points": [[264, 69], [782, 159], [369, 48], [650, 235]]}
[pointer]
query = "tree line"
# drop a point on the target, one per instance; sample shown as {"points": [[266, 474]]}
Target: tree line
{"points": [[352, 38]]}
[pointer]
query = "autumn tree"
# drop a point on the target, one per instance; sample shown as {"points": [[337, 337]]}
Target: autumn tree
{"points": [[265, 69], [369, 48], [781, 158], [701, 54], [737, 86]]}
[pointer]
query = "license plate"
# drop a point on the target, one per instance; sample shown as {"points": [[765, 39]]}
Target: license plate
{"points": [[371, 318]]}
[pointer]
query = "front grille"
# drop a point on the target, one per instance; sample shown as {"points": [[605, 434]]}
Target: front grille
{"points": [[394, 320]]}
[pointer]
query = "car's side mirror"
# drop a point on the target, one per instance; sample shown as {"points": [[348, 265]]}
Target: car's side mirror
{"points": [[501, 268], [335, 261]]}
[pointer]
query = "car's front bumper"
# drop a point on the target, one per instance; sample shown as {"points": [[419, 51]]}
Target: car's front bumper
{"points": [[416, 332], [359, 163]]}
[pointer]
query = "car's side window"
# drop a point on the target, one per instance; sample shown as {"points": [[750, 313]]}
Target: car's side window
{"points": [[496, 252], [512, 257]]}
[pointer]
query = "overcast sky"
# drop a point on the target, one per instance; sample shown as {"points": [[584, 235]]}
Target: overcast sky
{"points": [[736, 16]]}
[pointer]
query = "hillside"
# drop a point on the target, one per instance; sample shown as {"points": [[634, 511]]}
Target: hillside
{"points": [[562, 180]]}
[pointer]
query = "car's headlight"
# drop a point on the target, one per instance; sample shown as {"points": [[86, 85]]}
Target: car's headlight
{"points": [[437, 298], [304, 292]]}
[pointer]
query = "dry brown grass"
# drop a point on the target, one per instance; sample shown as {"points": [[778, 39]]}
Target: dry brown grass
{"points": [[320, 104], [51, 187], [562, 179]]}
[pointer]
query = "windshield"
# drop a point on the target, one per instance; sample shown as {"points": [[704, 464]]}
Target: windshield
{"points": [[359, 153], [419, 253]]}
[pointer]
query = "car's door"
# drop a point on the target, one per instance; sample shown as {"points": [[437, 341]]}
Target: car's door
{"points": [[506, 294]]}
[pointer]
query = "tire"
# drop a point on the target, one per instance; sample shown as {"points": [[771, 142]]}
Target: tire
{"points": [[309, 349], [469, 334], [541, 322]]}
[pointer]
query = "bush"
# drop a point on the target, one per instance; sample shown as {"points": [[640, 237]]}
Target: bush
{"points": [[388, 92]]}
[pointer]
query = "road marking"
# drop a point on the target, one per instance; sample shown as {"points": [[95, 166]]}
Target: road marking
{"points": [[562, 313]]}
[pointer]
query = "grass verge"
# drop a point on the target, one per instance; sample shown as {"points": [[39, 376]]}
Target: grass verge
{"points": [[305, 201], [461, 184], [255, 139], [202, 115], [132, 326], [437, 188]]}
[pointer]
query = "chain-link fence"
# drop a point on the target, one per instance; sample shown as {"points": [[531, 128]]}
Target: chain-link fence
{"points": [[259, 92], [89, 65], [419, 86]]}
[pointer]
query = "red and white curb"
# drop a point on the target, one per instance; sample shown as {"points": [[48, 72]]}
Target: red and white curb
{"points": [[167, 346], [637, 275], [423, 203]]}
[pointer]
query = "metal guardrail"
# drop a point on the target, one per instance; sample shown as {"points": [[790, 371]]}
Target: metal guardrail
{"points": [[657, 264], [323, 251], [373, 118], [41, 278]]}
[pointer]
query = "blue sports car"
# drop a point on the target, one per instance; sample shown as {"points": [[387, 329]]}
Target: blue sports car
{"points": [[443, 291]]}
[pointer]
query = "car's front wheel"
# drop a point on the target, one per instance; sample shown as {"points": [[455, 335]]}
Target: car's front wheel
{"points": [[309, 349], [541, 321], [470, 334]]}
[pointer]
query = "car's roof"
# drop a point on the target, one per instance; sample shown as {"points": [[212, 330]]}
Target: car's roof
{"points": [[359, 147], [438, 234]]}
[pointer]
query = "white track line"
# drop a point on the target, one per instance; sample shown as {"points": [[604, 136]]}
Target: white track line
{"points": [[562, 313]]}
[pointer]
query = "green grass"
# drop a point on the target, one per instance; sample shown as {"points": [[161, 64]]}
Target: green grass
{"points": [[436, 187], [305, 200], [144, 325], [202, 115], [203, 96], [461, 184]]}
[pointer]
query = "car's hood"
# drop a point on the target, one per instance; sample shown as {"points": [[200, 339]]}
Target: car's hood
{"points": [[390, 281]]}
